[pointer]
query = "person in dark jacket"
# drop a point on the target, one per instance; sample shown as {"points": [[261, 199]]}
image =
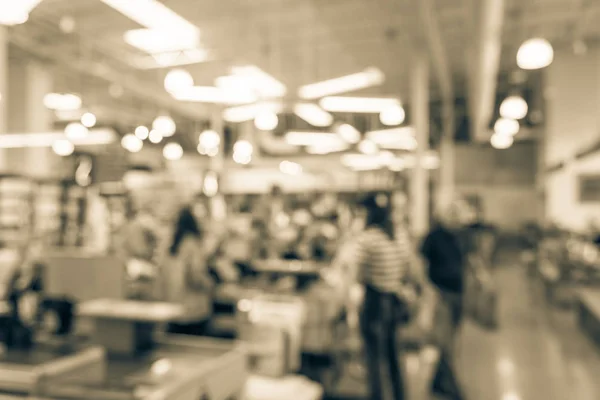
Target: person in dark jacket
{"points": [[445, 252]]}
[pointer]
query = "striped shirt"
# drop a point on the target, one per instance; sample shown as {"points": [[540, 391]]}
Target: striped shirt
{"points": [[382, 262]]}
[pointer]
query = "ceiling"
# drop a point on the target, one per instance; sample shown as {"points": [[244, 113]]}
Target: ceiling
{"points": [[298, 42]]}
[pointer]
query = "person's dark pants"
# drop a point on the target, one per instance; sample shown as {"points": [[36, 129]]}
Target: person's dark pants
{"points": [[449, 318], [378, 328]]}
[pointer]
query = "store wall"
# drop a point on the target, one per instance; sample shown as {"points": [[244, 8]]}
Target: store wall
{"points": [[573, 124], [502, 180]]}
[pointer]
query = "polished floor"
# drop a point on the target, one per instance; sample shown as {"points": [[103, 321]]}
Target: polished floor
{"points": [[539, 353]]}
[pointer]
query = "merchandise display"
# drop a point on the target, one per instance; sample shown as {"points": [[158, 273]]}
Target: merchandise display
{"points": [[16, 214]]}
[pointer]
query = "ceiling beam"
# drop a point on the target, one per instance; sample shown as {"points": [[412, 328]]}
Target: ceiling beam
{"points": [[486, 20], [147, 90]]}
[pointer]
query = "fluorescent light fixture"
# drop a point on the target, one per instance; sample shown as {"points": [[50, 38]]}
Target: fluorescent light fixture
{"points": [[364, 161], [178, 80], [368, 147], [142, 132], [132, 143], [390, 136], [62, 101], [392, 116], [88, 120], [266, 85], [243, 147], [501, 142], [170, 59], [313, 114], [290, 168], [249, 112], [506, 127], [21, 140], [367, 78], [313, 139], [154, 15], [63, 147], [266, 120], [16, 12], [209, 139], [209, 94], [327, 148], [358, 104], [155, 136], [349, 133], [156, 41], [534, 54]]}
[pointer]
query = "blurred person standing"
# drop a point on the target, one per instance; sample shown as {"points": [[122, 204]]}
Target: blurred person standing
{"points": [[185, 273], [444, 251], [381, 266]]}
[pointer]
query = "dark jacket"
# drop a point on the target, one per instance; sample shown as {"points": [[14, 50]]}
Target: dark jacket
{"points": [[444, 251]]}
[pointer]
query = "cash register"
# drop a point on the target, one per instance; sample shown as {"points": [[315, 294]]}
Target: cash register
{"points": [[28, 356]]}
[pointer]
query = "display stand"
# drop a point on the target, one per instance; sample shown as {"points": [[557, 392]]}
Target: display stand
{"points": [[16, 213]]}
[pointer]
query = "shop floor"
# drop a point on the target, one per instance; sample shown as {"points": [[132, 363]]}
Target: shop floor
{"points": [[36, 356]]}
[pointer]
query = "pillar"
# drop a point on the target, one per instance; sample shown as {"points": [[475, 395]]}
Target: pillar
{"points": [[217, 164], [3, 90], [447, 157], [419, 187], [29, 82]]}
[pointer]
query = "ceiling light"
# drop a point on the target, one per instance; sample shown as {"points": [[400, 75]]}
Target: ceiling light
{"points": [[21, 140], [394, 139], [88, 120], [243, 147], [367, 78], [266, 121], [398, 164], [208, 94], [209, 139], [142, 132], [392, 116], [349, 133], [501, 142], [243, 159], [132, 143], [290, 168], [155, 136], [153, 41], [67, 24], [170, 59], [367, 147], [266, 88], [327, 148], [313, 114], [165, 125], [173, 151], [358, 104], [154, 15], [178, 80], [210, 186], [327, 139], [16, 12], [364, 161], [249, 112], [506, 127], [62, 102], [514, 107], [535, 53], [75, 131], [430, 161], [266, 85], [63, 147]]}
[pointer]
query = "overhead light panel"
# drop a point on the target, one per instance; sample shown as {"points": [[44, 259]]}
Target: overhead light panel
{"points": [[22, 140], [249, 112], [506, 127], [367, 78], [178, 80], [326, 148], [173, 151], [393, 116], [365, 105], [389, 137], [16, 12], [320, 139], [170, 59], [154, 15], [266, 85], [313, 114], [62, 101], [290, 168], [365, 161], [156, 41], [349, 133], [209, 94]]}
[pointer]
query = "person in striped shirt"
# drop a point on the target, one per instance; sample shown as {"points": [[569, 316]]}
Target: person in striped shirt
{"points": [[382, 265]]}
